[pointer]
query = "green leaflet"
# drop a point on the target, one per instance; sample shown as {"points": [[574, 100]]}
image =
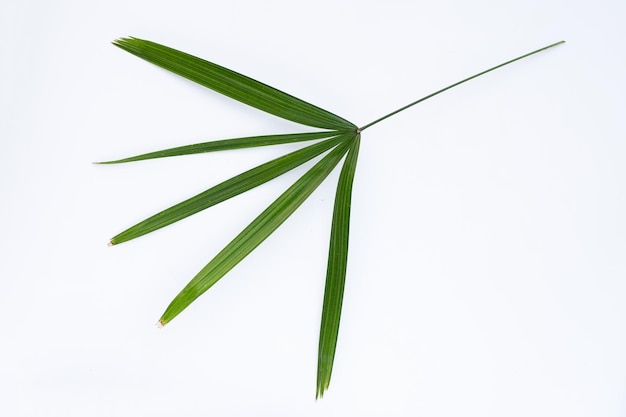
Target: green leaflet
{"points": [[234, 85], [228, 144], [336, 272], [227, 189], [257, 231]]}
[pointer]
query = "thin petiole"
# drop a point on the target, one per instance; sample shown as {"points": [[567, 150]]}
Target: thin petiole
{"points": [[457, 83]]}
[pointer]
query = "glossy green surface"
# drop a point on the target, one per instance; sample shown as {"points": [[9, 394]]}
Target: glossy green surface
{"points": [[342, 139]]}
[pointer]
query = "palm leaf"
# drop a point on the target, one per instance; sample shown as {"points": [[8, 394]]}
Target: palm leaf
{"points": [[345, 138], [227, 189], [234, 85], [336, 272], [257, 231], [228, 144]]}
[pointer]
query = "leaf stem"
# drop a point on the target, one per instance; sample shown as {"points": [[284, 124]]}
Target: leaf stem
{"points": [[457, 83]]}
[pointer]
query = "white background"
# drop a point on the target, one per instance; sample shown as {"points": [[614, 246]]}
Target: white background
{"points": [[487, 272]]}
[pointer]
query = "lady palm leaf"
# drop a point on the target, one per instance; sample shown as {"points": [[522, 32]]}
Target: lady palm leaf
{"points": [[234, 85], [257, 231], [342, 137], [228, 144], [336, 272]]}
